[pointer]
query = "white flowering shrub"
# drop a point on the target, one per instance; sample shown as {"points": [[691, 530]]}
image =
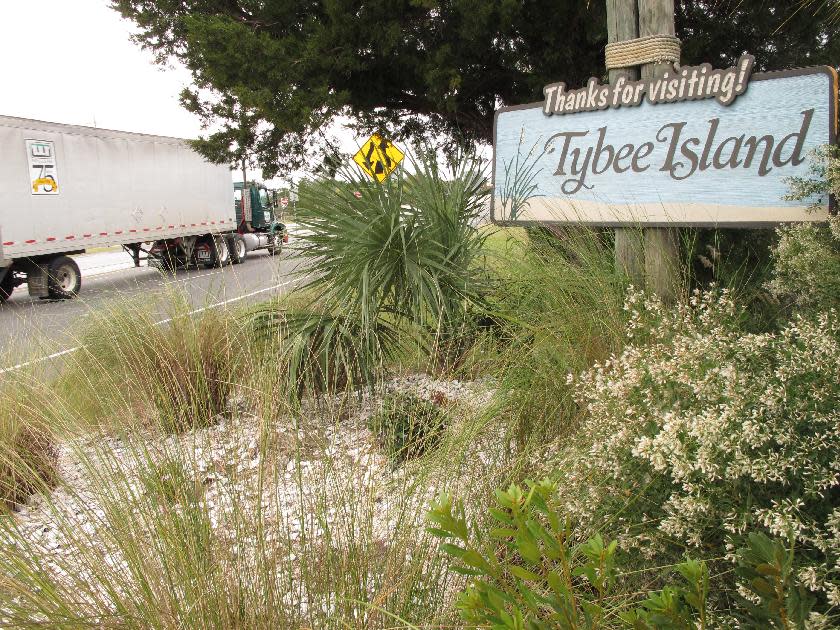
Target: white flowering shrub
{"points": [[698, 433], [806, 260], [806, 265]]}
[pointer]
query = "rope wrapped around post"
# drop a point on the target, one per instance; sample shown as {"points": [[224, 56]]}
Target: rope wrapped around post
{"points": [[642, 50]]}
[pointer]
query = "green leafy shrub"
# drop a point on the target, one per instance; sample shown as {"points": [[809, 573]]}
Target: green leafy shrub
{"points": [[523, 571], [526, 571], [768, 572], [708, 432], [407, 425]]}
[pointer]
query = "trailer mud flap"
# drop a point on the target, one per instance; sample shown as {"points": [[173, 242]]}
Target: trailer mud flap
{"points": [[36, 280]]}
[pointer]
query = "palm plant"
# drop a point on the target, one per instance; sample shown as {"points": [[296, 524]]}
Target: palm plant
{"points": [[392, 256], [404, 247]]}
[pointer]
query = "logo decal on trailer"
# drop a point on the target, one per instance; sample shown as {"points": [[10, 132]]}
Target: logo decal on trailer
{"points": [[43, 167]]}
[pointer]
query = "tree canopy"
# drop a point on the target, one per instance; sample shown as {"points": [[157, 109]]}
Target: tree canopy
{"points": [[274, 73]]}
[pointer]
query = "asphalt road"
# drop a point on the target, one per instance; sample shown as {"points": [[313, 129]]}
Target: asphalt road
{"points": [[34, 329]]}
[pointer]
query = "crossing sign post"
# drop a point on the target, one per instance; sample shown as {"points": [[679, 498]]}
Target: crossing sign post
{"points": [[378, 157]]}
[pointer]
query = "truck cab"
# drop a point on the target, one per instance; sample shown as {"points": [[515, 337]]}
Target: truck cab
{"points": [[258, 213], [257, 218]]}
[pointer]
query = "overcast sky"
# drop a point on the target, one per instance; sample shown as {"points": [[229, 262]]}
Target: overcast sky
{"points": [[71, 61]]}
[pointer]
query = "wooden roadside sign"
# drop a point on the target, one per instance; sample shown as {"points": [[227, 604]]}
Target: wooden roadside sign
{"points": [[696, 147]]}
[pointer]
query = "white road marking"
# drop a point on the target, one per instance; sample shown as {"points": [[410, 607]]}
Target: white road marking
{"points": [[55, 355]]}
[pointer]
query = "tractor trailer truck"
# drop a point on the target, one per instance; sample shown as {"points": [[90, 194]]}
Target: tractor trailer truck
{"points": [[65, 189]]}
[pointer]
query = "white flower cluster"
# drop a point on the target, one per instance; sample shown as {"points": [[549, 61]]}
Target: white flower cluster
{"points": [[702, 432], [806, 265]]}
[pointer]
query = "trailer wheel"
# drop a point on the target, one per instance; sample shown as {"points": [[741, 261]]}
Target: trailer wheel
{"points": [[220, 250], [7, 285], [64, 280], [167, 262]]}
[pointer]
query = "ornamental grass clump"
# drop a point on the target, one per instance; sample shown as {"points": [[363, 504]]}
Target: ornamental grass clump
{"points": [[176, 373], [407, 426], [557, 309], [698, 433], [28, 453]]}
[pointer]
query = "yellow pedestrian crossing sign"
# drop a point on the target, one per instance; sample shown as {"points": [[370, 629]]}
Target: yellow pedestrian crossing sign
{"points": [[378, 157]]}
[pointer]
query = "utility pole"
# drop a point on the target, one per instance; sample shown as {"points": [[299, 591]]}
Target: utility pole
{"points": [[649, 257]]}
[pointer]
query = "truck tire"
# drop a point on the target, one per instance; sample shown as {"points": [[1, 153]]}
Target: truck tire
{"points": [[64, 280], [239, 252], [221, 251], [7, 285], [167, 262], [275, 245], [237, 248]]}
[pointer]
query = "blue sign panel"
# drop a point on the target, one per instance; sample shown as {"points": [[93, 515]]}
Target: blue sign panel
{"points": [[694, 162]]}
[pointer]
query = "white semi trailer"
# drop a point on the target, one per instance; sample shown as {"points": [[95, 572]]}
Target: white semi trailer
{"points": [[66, 188]]}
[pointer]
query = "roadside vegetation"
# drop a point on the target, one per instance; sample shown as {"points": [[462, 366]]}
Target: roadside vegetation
{"points": [[445, 425]]}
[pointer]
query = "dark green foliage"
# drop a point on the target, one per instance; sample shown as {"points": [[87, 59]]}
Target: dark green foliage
{"points": [[768, 571], [528, 573], [421, 67], [740, 260], [407, 426]]}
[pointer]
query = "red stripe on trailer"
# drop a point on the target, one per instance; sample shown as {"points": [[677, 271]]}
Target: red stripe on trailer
{"points": [[50, 238], [160, 227], [105, 233], [132, 230], [171, 227], [9, 243], [118, 232], [86, 235], [29, 242], [69, 237], [204, 223], [183, 225]]}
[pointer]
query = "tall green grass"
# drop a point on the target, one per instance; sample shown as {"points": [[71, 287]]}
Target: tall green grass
{"points": [[558, 308], [175, 376]]}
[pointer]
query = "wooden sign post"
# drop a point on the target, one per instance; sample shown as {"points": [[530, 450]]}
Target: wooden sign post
{"points": [[650, 258], [623, 24], [656, 17]]}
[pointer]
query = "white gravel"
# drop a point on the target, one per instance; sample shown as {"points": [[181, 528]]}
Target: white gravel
{"points": [[296, 473]]}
